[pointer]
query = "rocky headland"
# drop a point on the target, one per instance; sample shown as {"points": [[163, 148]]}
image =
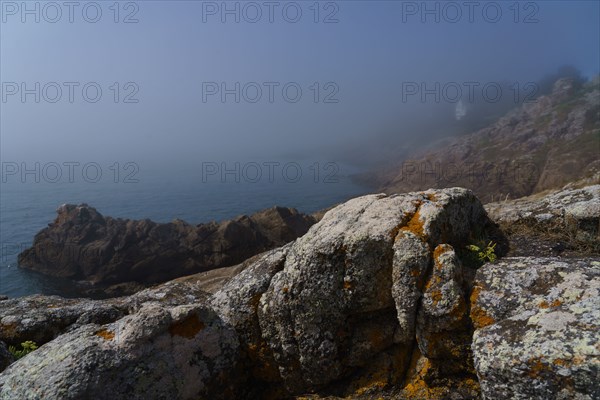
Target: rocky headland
{"points": [[379, 299], [542, 145], [115, 255]]}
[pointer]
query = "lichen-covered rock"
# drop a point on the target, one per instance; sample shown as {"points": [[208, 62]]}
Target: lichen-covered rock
{"points": [[350, 288], [538, 328], [159, 352], [5, 357], [42, 318]]}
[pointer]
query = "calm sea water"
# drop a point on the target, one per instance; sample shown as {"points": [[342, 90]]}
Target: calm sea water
{"points": [[27, 206]]}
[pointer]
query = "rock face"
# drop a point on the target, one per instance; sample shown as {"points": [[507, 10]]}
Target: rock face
{"points": [[348, 305], [84, 245], [378, 300], [164, 342], [350, 308], [565, 222], [542, 145], [538, 324]]}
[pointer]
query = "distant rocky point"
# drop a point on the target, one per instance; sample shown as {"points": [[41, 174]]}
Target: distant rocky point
{"points": [[83, 245], [544, 144]]}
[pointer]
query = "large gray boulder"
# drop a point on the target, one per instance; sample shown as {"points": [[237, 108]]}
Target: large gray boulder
{"points": [[538, 329], [339, 307]]}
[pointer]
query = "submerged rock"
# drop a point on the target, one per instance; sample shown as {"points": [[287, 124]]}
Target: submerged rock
{"points": [[538, 329], [84, 245]]}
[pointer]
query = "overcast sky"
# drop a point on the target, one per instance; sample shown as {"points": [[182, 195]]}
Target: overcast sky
{"points": [[351, 60]]}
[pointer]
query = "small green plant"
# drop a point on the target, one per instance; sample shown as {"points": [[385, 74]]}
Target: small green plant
{"points": [[26, 348], [484, 253]]}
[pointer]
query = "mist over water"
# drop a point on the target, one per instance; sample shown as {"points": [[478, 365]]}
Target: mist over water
{"points": [[207, 110]]}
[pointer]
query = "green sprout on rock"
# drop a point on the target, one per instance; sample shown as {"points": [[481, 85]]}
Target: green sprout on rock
{"points": [[26, 348], [485, 253]]}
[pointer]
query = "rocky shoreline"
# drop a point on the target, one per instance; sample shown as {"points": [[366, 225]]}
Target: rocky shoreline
{"points": [[379, 299]]}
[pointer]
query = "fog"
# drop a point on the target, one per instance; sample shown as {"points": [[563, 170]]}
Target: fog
{"points": [[355, 82]]}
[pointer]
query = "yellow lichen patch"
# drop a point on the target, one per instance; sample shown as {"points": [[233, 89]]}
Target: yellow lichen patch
{"points": [[436, 296], [106, 334], [434, 281], [416, 387], [415, 225], [439, 250], [188, 328], [479, 317]]}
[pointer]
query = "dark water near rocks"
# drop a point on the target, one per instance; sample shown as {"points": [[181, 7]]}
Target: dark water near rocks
{"points": [[26, 207]]}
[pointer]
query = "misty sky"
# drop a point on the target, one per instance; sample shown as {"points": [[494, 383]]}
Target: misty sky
{"points": [[360, 62]]}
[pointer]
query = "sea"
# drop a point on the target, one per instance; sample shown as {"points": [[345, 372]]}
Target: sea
{"points": [[28, 201]]}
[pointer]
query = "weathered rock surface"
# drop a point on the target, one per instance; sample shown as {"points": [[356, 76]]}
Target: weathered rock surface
{"points": [[348, 309], [377, 300], [538, 328], [565, 222], [84, 245], [338, 308]]}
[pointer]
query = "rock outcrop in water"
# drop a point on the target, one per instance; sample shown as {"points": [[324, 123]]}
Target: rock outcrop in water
{"points": [[82, 244], [377, 300]]}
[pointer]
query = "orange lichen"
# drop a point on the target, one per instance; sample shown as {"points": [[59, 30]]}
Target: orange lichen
{"points": [[348, 285], [537, 367], [431, 197], [479, 317], [439, 250], [188, 328], [415, 225], [556, 303], [285, 289], [544, 304], [436, 296], [106, 334], [561, 362]]}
